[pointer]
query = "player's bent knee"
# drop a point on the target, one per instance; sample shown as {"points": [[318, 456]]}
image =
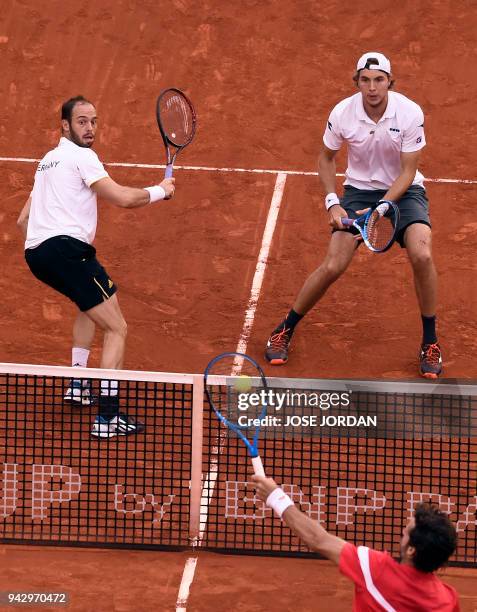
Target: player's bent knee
{"points": [[333, 268], [120, 328], [421, 259]]}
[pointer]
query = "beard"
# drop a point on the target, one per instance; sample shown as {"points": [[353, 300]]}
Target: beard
{"points": [[77, 140]]}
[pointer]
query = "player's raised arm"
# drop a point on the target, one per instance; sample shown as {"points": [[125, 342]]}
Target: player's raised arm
{"points": [[133, 197], [310, 532]]}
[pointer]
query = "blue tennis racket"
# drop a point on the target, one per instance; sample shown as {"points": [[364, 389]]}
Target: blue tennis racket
{"points": [[378, 227], [236, 389]]}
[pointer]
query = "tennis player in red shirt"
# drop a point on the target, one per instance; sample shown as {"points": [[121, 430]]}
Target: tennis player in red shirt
{"points": [[380, 582]]}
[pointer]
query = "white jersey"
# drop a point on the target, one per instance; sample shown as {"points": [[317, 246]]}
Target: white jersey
{"points": [[62, 201], [374, 149]]}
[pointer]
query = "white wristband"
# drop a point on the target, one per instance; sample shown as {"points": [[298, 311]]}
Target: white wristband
{"points": [[156, 192], [382, 208], [330, 200], [279, 501]]}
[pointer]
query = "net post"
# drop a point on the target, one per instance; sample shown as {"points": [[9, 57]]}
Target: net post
{"points": [[196, 457]]}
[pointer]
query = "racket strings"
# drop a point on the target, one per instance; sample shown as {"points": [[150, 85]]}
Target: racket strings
{"points": [[231, 383], [177, 119], [379, 231]]}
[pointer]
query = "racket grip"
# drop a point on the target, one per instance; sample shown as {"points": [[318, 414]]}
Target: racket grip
{"points": [[258, 466], [346, 221], [169, 170]]}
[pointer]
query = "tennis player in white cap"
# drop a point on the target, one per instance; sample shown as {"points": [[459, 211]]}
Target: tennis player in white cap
{"points": [[384, 132]]}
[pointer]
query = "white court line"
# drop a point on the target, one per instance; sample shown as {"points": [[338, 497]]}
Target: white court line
{"points": [[211, 478], [261, 263], [209, 485], [247, 170], [187, 578]]}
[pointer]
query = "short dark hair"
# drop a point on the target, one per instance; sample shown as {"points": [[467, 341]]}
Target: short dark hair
{"points": [[68, 106], [434, 538], [356, 78]]}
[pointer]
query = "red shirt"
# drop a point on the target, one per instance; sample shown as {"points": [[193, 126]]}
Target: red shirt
{"points": [[401, 587]]}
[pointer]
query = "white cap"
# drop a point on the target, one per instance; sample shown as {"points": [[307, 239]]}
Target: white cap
{"points": [[374, 61]]}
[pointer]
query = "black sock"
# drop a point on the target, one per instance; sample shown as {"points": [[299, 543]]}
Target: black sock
{"points": [[108, 406], [428, 330], [290, 321]]}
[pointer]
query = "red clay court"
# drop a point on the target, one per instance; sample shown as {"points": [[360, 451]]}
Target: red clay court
{"points": [[263, 77]]}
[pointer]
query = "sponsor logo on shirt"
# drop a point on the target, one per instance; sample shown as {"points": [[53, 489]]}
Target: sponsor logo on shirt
{"points": [[418, 140], [42, 167], [394, 130], [330, 126]]}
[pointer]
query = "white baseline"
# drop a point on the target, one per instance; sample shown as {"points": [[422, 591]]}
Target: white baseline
{"points": [[30, 160]]}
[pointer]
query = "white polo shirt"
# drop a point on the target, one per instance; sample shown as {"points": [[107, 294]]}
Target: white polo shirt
{"points": [[63, 202], [374, 148]]}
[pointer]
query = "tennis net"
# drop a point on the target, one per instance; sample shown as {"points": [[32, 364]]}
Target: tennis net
{"points": [[186, 480], [62, 485]]}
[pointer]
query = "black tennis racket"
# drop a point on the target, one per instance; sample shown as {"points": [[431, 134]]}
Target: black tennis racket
{"points": [[236, 388], [378, 227], [177, 122]]}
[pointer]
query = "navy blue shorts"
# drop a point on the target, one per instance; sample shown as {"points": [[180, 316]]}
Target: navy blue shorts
{"points": [[70, 267]]}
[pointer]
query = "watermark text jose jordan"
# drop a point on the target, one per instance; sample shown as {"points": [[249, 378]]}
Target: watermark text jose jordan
{"points": [[309, 420]]}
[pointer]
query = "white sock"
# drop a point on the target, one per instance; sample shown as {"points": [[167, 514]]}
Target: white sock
{"points": [[79, 357], [109, 387]]}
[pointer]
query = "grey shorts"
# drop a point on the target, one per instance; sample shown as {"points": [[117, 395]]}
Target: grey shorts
{"points": [[413, 206]]}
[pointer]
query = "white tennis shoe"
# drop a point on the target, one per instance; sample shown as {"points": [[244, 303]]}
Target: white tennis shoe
{"points": [[119, 425]]}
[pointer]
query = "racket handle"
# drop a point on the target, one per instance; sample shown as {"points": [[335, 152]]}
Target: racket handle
{"points": [[168, 173], [258, 466], [346, 221]]}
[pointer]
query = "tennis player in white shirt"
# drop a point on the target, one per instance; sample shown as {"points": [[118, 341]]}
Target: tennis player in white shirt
{"points": [[384, 132], [59, 220]]}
